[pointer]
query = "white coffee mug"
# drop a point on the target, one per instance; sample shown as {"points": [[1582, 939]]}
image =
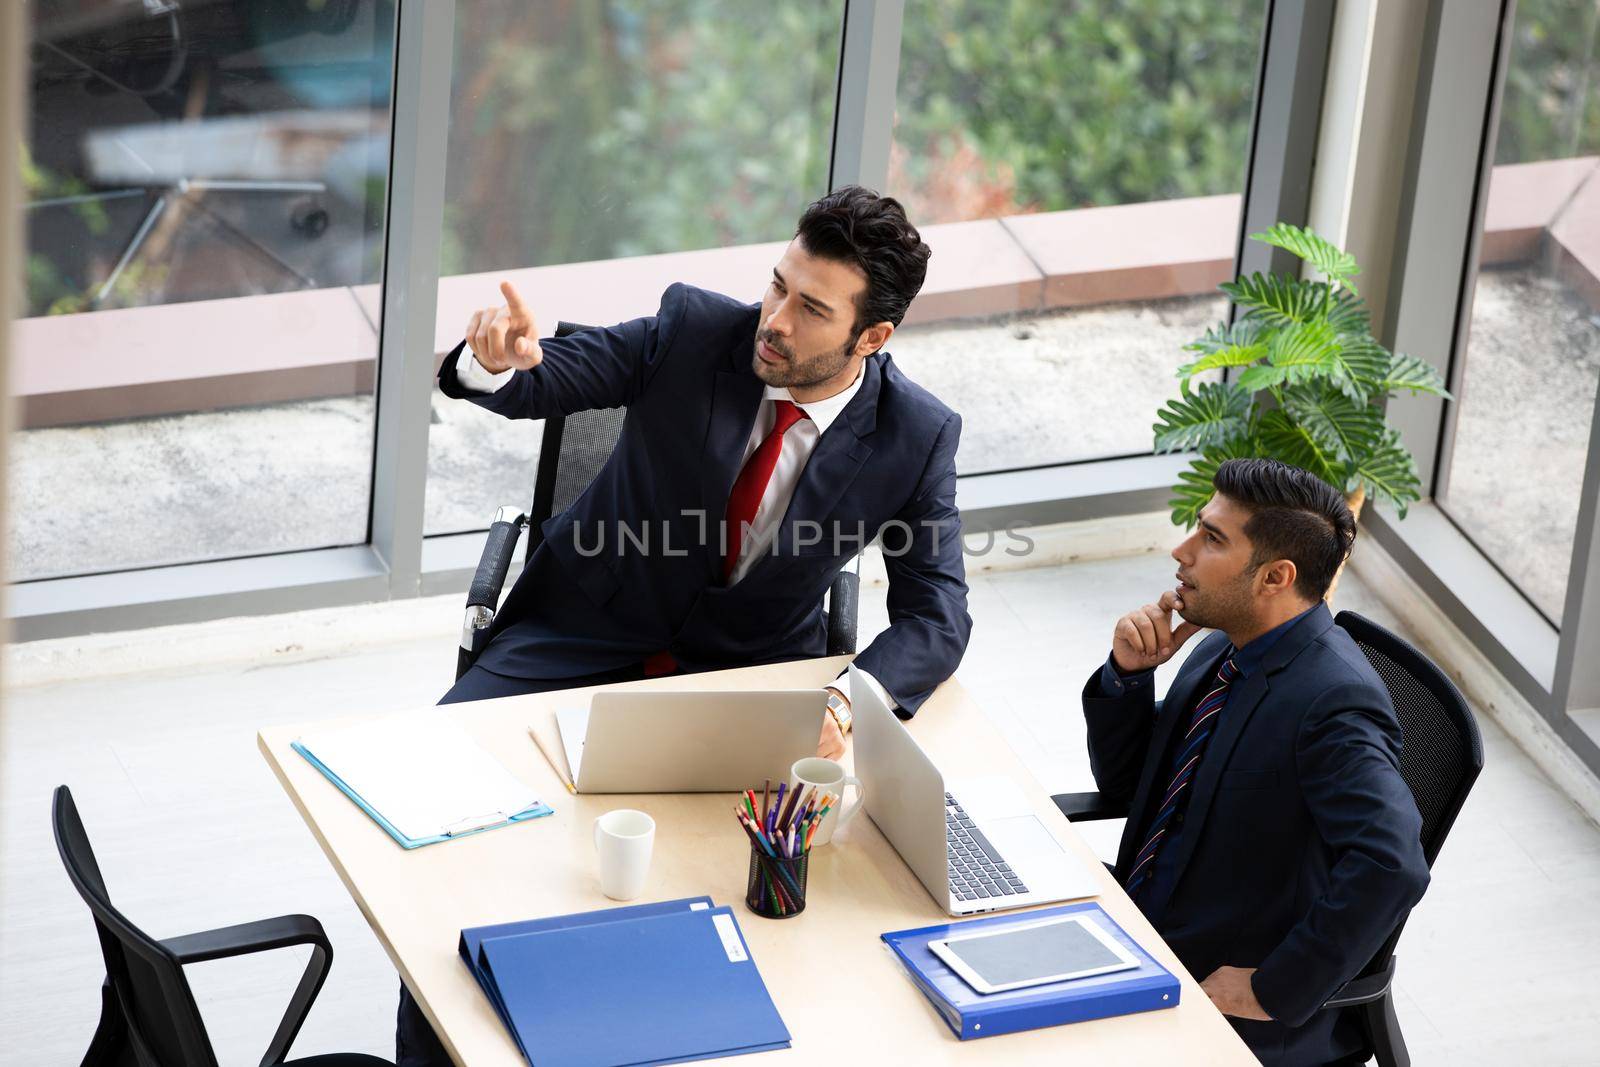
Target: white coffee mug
{"points": [[827, 776], [624, 839]]}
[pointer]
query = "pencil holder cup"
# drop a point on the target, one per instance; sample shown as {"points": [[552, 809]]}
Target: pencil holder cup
{"points": [[777, 886]]}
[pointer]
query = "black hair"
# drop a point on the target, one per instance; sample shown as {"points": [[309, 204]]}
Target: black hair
{"points": [[857, 226], [1294, 515]]}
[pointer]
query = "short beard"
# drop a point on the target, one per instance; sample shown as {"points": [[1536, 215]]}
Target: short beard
{"points": [[804, 374], [1223, 608]]}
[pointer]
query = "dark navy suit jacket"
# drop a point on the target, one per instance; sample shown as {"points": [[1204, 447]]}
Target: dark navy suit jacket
{"points": [[634, 566], [1301, 849]]}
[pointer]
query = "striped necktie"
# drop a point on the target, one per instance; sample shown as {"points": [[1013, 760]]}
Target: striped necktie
{"points": [[1202, 722]]}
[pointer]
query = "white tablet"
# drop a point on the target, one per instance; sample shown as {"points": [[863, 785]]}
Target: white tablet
{"points": [[1029, 954]]}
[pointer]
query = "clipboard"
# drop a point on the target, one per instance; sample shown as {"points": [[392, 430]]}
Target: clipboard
{"points": [[420, 778]]}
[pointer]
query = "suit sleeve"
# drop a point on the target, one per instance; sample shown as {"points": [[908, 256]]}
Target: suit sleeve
{"points": [[928, 620], [601, 368], [1347, 757], [1120, 712]]}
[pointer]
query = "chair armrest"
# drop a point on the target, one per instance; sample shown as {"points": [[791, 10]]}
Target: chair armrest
{"points": [[1363, 990], [495, 563], [260, 936], [844, 599], [1089, 807], [483, 597], [282, 932]]}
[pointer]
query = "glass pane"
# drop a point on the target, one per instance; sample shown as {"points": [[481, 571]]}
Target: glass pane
{"points": [[1095, 154], [601, 151], [1526, 392], [205, 190]]}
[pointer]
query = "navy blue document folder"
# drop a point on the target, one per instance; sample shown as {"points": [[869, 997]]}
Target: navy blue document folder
{"points": [[642, 988], [972, 1014], [472, 937]]}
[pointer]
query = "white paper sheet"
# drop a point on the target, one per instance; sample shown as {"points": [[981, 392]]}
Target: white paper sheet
{"points": [[422, 772]]}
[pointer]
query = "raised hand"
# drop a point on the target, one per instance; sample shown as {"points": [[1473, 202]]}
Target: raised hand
{"points": [[505, 337], [1144, 639]]}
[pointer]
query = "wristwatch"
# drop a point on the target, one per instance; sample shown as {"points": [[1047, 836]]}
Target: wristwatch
{"points": [[839, 708]]}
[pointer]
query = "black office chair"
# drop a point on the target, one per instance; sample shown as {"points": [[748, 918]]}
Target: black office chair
{"points": [[148, 1016], [1441, 756], [573, 450]]}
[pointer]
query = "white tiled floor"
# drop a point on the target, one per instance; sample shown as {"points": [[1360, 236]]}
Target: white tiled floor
{"points": [[192, 831]]}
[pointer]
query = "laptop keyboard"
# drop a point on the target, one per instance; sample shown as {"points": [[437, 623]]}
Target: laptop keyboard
{"points": [[976, 869]]}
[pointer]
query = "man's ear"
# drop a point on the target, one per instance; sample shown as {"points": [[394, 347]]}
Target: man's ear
{"points": [[873, 338], [1278, 577]]}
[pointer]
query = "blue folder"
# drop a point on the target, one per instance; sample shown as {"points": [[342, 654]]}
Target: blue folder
{"points": [[972, 1014], [473, 937], [653, 989], [389, 828]]}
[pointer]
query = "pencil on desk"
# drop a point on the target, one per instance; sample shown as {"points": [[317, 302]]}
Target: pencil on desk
{"points": [[553, 765]]}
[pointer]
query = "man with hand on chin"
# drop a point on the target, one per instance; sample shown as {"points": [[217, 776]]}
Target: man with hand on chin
{"points": [[1270, 839]]}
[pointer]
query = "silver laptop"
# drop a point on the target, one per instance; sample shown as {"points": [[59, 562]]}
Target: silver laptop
{"points": [[976, 844], [689, 742]]}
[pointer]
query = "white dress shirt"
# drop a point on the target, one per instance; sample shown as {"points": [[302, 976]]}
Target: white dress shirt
{"points": [[798, 444]]}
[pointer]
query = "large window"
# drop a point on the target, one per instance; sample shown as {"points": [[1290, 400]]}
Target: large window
{"points": [[1102, 146], [592, 145], [1526, 389], [205, 194]]}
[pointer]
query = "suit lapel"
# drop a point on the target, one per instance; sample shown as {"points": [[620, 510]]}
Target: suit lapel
{"points": [[1174, 707], [837, 459], [1248, 695]]}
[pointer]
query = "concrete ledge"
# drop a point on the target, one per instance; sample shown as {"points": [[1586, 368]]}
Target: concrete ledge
{"points": [[200, 356], [1132, 251], [1524, 200]]}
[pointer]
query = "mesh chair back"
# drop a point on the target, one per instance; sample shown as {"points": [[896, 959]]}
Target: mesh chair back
{"points": [[572, 452], [1441, 749], [164, 1024]]}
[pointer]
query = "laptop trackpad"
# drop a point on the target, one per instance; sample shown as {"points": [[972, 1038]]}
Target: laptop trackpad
{"points": [[1021, 836]]}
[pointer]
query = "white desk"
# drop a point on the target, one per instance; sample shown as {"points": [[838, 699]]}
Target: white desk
{"points": [[417, 902]]}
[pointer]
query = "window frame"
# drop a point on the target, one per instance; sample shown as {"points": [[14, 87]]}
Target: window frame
{"points": [[398, 561]]}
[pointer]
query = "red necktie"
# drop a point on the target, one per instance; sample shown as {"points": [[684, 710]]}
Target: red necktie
{"points": [[751, 485]]}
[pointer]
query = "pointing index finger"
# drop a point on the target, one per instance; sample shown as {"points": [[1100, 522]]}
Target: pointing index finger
{"points": [[513, 299]]}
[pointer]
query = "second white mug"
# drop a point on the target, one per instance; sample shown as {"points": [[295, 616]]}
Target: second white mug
{"points": [[624, 839], [827, 776]]}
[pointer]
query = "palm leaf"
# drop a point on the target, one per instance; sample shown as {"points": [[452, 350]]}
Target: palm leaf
{"points": [[1195, 489], [1284, 438], [1408, 373], [1358, 360], [1296, 354], [1231, 356], [1338, 265], [1389, 473], [1210, 415], [1346, 428], [1348, 314], [1226, 335], [1276, 299]]}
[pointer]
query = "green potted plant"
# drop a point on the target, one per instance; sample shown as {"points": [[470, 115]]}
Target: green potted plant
{"points": [[1307, 384]]}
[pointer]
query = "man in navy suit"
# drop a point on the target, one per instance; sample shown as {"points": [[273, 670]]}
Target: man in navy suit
{"points": [[1271, 840], [764, 446]]}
